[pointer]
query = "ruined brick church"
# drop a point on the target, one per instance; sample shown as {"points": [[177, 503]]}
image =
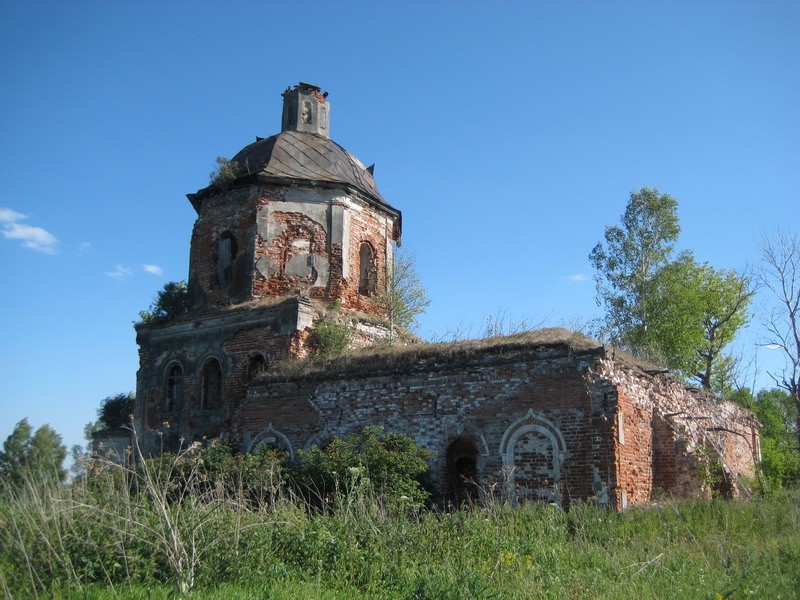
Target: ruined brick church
{"points": [[294, 232]]}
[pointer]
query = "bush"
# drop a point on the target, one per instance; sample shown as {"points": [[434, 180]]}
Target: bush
{"points": [[329, 339], [224, 173], [171, 302], [387, 464]]}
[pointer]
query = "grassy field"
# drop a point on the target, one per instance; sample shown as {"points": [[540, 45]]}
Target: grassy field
{"points": [[114, 540]]}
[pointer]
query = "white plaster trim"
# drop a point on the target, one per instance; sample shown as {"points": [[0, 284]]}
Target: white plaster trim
{"points": [[532, 422], [348, 202], [269, 435], [314, 440]]}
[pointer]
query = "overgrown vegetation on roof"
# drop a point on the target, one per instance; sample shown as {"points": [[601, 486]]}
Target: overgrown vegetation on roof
{"points": [[394, 358], [224, 173]]}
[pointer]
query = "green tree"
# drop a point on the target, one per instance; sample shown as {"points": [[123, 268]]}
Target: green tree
{"points": [[171, 302], [407, 297], [628, 260], [667, 309], [780, 463], [697, 312], [32, 455], [115, 411]]}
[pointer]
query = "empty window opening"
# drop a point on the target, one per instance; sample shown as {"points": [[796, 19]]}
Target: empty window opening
{"points": [[306, 114], [461, 476], [256, 367], [227, 250], [174, 399], [367, 272], [212, 385]]}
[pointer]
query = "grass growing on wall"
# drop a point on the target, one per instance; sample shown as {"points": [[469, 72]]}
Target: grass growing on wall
{"points": [[120, 535]]}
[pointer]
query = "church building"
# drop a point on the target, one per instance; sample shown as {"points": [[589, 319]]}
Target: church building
{"points": [[293, 233]]}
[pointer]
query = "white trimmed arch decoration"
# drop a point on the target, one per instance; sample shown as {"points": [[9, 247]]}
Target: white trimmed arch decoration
{"points": [[273, 437], [318, 439], [533, 450]]}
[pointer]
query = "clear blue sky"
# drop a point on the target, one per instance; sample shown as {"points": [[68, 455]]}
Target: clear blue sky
{"points": [[508, 133]]}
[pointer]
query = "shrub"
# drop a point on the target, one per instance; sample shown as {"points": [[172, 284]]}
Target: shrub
{"points": [[224, 173], [329, 339], [389, 464], [171, 302]]}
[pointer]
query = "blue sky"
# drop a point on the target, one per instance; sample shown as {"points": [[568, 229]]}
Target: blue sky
{"points": [[508, 133]]}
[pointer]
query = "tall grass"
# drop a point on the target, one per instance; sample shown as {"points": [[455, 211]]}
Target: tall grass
{"points": [[139, 533]]}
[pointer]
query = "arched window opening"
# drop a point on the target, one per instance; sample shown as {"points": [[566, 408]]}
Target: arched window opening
{"points": [[307, 112], [461, 476], [212, 385], [174, 399], [256, 367], [227, 249], [367, 272]]}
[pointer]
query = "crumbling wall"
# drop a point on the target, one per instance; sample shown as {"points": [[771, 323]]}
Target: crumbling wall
{"points": [[227, 212], [676, 440], [545, 422], [366, 226], [243, 342], [292, 246], [531, 417], [308, 242]]}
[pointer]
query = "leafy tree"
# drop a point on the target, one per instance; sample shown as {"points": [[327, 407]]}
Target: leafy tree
{"points": [[668, 309], [780, 463], [628, 261], [171, 302], [697, 312], [407, 297], [32, 455], [115, 411], [780, 274]]}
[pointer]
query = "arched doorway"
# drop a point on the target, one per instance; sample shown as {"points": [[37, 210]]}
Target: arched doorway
{"points": [[461, 473]]}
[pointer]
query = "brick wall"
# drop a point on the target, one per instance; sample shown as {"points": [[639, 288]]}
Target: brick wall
{"points": [[671, 431], [477, 399], [547, 422], [236, 339], [223, 212]]}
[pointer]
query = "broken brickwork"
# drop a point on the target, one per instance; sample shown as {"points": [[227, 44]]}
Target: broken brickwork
{"points": [[546, 421]]}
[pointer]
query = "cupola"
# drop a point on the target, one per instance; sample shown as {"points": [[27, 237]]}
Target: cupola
{"points": [[306, 109]]}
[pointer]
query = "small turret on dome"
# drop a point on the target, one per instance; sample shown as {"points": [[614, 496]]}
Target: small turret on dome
{"points": [[306, 109]]}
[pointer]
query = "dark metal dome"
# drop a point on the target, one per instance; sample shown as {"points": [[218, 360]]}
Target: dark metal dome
{"points": [[307, 157]]}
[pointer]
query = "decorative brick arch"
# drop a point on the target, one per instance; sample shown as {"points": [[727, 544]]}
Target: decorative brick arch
{"points": [[532, 450], [270, 435], [320, 439]]}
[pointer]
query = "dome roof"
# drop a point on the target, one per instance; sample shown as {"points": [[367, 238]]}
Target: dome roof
{"points": [[305, 156], [302, 153]]}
